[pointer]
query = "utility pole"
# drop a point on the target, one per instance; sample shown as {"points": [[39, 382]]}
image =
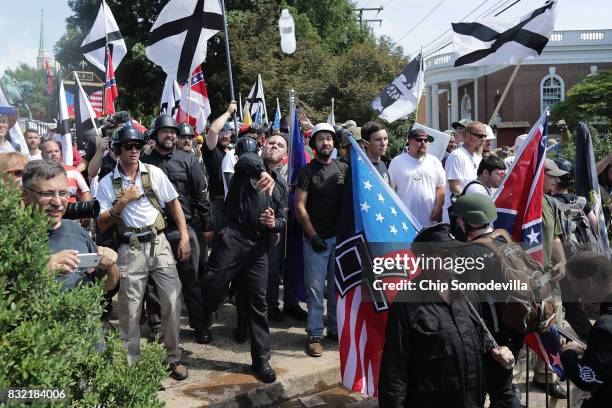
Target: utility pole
{"points": [[366, 21]]}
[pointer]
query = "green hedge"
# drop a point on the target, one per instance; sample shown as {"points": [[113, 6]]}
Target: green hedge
{"points": [[48, 337]]}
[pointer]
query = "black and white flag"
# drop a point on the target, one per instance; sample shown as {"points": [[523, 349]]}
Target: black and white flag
{"points": [[84, 115], [177, 41], [401, 97], [256, 100], [171, 97], [104, 31], [495, 42], [63, 125]]}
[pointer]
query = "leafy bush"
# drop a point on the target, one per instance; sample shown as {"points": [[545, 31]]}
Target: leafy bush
{"points": [[48, 337]]}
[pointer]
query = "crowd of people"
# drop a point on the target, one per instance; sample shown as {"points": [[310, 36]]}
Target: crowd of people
{"points": [[203, 218]]}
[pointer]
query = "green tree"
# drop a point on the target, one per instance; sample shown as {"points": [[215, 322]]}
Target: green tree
{"points": [[589, 101], [42, 106], [51, 338]]}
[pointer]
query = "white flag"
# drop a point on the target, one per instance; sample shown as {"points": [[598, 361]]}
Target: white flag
{"points": [[177, 41], [15, 131], [63, 127], [401, 97], [84, 115], [440, 142], [103, 31], [256, 100], [171, 97], [493, 41]]}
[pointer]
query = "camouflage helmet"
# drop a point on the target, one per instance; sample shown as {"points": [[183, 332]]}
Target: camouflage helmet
{"points": [[476, 209]]}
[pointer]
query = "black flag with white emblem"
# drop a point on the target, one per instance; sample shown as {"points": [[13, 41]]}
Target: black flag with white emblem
{"points": [[496, 42], [177, 41]]}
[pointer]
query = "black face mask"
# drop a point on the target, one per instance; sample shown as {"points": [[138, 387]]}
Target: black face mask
{"points": [[459, 233]]}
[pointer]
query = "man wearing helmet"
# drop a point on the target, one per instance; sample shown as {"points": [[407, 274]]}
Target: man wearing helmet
{"points": [[320, 185], [188, 177], [185, 137], [132, 199]]}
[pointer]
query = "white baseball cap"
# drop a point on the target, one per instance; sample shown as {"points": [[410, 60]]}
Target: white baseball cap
{"points": [[490, 134]]}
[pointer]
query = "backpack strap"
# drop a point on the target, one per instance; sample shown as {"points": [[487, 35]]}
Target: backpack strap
{"points": [[148, 188], [475, 181]]}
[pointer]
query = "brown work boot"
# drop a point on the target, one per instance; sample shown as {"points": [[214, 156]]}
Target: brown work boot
{"points": [[178, 371], [314, 348]]}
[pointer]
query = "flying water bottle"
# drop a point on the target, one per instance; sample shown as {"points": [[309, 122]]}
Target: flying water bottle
{"points": [[286, 26]]}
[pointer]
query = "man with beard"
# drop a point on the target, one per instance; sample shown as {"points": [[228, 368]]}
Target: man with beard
{"points": [[145, 251], [418, 178], [320, 185], [217, 145], [188, 178], [376, 141], [32, 139], [185, 137], [462, 163], [254, 211]]}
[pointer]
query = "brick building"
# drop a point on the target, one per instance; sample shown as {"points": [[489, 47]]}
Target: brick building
{"points": [[473, 92]]}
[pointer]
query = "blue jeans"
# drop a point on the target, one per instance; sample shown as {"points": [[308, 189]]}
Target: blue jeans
{"points": [[319, 267]]}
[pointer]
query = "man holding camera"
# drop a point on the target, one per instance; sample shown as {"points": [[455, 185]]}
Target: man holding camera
{"points": [[188, 178], [45, 186], [132, 199]]}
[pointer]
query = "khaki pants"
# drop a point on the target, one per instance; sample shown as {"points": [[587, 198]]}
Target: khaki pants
{"points": [[135, 266]]}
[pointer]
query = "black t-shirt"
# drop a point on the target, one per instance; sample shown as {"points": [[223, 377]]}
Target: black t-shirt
{"points": [[212, 160], [324, 184], [71, 235], [108, 163], [382, 170]]}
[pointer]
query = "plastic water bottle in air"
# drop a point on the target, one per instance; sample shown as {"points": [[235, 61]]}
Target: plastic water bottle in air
{"points": [[286, 26]]}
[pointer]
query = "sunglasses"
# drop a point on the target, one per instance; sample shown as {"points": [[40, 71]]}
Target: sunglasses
{"points": [[132, 146], [478, 135], [421, 140]]}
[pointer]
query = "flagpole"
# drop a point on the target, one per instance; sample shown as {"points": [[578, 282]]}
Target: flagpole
{"points": [[189, 98], [419, 90], [501, 100], [240, 105], [229, 62], [264, 97], [290, 154]]}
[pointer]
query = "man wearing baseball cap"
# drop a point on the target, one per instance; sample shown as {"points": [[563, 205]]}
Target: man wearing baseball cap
{"points": [[320, 185]]}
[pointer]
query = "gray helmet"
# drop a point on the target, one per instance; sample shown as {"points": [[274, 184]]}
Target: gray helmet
{"points": [[476, 209], [126, 134], [185, 130], [246, 144]]}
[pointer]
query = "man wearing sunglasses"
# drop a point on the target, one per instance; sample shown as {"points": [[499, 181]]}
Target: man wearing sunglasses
{"points": [[419, 179], [132, 199], [462, 164]]}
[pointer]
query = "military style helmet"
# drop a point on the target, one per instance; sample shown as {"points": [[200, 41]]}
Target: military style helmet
{"points": [[567, 179], [319, 128], [126, 134], [185, 130], [246, 144], [476, 209], [164, 121]]}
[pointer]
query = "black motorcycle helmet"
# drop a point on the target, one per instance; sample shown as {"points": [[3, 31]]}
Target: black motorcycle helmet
{"points": [[185, 130], [246, 144], [163, 121], [565, 165], [126, 134]]}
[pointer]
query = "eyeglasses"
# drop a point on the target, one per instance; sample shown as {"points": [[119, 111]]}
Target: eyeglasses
{"points": [[4, 120], [50, 194], [420, 140], [478, 135], [132, 146]]}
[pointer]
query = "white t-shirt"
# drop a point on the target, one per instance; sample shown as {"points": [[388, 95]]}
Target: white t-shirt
{"points": [[462, 166], [416, 181], [35, 157], [139, 213], [227, 166], [6, 147]]}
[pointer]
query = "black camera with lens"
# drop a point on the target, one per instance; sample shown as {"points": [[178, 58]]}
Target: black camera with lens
{"points": [[82, 209]]}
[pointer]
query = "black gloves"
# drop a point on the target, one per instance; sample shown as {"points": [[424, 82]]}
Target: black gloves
{"points": [[318, 244]]}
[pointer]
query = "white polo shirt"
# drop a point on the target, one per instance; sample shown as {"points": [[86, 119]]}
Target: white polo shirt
{"points": [[416, 182], [462, 166], [139, 213]]}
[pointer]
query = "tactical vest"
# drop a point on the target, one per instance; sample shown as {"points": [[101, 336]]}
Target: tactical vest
{"points": [[122, 230]]}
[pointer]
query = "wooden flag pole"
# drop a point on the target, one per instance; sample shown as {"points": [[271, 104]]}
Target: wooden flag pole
{"points": [[419, 91], [506, 89], [189, 97], [229, 64], [240, 106]]}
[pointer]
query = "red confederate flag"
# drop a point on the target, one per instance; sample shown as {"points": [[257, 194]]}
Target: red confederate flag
{"points": [[110, 85], [519, 210], [194, 107]]}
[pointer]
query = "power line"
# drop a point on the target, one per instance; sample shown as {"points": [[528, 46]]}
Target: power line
{"points": [[421, 20]]}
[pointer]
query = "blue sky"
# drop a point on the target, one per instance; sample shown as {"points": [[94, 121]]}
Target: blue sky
{"points": [[20, 21]]}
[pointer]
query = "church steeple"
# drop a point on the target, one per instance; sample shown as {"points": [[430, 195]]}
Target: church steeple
{"points": [[42, 52]]}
